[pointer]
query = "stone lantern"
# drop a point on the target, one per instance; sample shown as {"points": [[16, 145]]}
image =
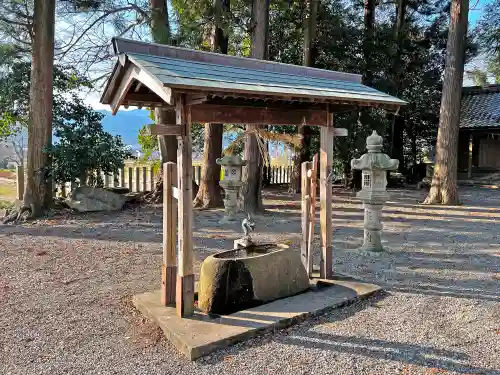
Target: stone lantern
{"points": [[374, 166], [232, 166]]}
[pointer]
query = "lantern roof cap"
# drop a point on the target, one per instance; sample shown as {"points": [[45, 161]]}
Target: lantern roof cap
{"points": [[231, 160], [374, 142]]}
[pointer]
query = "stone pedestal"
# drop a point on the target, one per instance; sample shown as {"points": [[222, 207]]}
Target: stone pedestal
{"points": [[231, 189], [372, 228]]}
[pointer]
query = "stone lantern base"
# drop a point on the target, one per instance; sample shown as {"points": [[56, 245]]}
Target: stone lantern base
{"points": [[231, 189]]}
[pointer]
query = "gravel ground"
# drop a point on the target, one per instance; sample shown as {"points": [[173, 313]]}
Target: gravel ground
{"points": [[66, 284]]}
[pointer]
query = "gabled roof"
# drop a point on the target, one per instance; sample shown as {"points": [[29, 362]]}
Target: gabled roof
{"points": [[480, 107], [216, 75]]}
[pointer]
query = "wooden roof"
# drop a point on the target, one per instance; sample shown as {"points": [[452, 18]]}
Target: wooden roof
{"points": [[148, 74]]}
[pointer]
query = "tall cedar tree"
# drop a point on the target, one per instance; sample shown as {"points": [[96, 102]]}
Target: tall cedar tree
{"points": [[38, 193], [444, 181], [252, 174], [397, 121], [209, 190], [304, 153], [160, 30]]}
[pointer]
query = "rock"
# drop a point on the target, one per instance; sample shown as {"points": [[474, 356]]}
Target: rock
{"points": [[89, 199], [235, 280]]}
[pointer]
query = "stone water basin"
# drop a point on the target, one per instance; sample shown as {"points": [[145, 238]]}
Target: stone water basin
{"points": [[239, 279]]}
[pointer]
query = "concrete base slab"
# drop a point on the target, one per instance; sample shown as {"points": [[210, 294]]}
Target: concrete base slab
{"points": [[201, 334]]}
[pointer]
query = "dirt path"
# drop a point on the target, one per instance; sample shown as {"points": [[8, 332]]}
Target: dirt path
{"points": [[65, 287]]}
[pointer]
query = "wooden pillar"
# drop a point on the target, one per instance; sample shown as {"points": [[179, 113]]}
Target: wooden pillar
{"points": [[326, 162], [312, 179], [306, 206], [152, 178], [471, 145], [20, 182], [130, 179], [169, 266], [185, 277], [137, 179], [144, 178], [122, 177]]}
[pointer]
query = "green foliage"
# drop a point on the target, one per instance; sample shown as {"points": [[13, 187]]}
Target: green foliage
{"points": [[479, 77], [84, 149], [14, 95], [488, 36], [148, 143], [82, 146], [494, 70]]}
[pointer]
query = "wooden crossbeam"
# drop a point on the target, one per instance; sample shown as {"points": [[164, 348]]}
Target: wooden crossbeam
{"points": [[217, 113], [162, 129]]}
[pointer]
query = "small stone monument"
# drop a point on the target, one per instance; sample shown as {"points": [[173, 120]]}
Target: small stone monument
{"points": [[232, 166], [374, 166]]}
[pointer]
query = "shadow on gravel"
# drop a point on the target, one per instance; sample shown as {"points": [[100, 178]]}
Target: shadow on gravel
{"points": [[425, 356]]}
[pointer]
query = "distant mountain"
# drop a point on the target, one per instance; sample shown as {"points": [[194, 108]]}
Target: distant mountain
{"points": [[126, 124]]}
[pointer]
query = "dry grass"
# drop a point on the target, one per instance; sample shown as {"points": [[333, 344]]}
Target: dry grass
{"points": [[7, 190]]}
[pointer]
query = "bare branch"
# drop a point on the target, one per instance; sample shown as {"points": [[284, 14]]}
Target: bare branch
{"points": [[100, 18]]}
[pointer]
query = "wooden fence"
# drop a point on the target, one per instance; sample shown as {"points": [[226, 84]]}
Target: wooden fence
{"points": [[143, 178]]}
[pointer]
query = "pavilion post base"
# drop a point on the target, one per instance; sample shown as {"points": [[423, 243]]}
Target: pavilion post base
{"points": [[168, 285], [185, 295]]}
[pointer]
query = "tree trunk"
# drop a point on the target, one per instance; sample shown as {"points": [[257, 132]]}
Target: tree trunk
{"points": [[369, 21], [252, 174], [38, 193], [444, 181], [209, 190], [160, 31], [303, 153], [397, 144]]}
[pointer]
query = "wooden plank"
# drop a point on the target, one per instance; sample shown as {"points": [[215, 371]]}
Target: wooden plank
{"points": [[312, 176], [130, 179], [340, 132], [175, 192], [137, 179], [144, 178], [326, 162], [20, 182], [151, 178], [305, 207], [169, 266], [198, 174], [155, 85], [122, 177], [469, 164], [185, 276], [217, 113], [193, 99], [125, 83], [160, 129]]}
